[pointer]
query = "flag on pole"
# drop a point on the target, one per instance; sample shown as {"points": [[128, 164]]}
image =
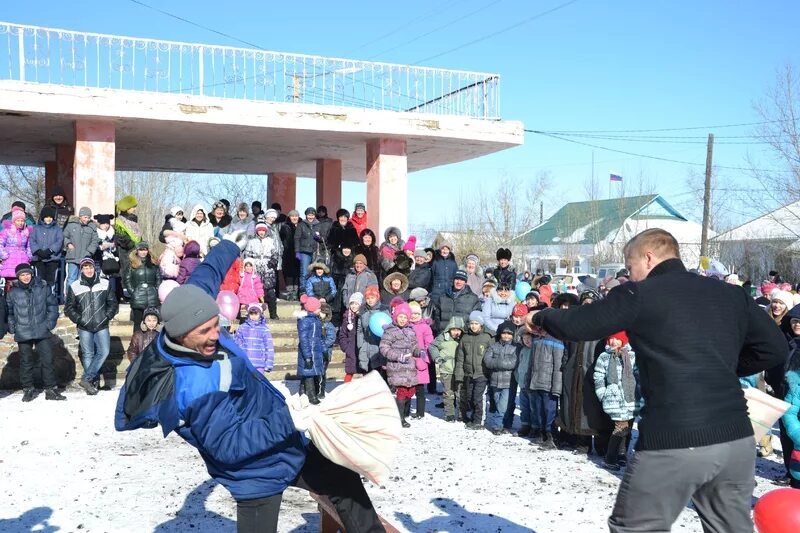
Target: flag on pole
{"points": [[616, 177]]}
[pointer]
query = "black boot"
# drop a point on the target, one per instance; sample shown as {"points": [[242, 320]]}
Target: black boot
{"points": [[524, 431], [53, 394], [402, 410], [407, 408], [420, 406], [311, 390], [88, 387], [28, 395], [612, 453], [547, 442]]}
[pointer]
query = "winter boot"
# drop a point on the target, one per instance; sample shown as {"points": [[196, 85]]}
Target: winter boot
{"points": [[449, 418], [53, 394], [311, 390], [401, 409], [420, 407], [407, 408], [524, 431], [547, 442], [86, 385], [28, 395]]}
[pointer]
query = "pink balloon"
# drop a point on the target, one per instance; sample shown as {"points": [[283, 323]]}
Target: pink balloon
{"points": [[165, 288], [228, 304]]}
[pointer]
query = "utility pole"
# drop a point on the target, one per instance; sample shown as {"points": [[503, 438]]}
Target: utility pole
{"points": [[707, 198], [541, 212]]}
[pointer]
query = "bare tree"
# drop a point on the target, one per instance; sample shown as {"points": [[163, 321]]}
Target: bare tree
{"points": [[25, 184], [237, 189]]}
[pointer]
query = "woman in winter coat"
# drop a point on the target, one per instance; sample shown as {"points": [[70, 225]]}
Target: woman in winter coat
{"points": [[170, 260], [369, 250], [14, 245], [310, 363], [392, 244], [359, 218], [348, 334], [142, 281], [219, 217], [420, 276], [199, 228], [174, 221], [394, 285], [46, 242], [251, 289], [190, 260], [127, 234], [472, 266], [242, 222], [341, 265], [342, 233], [399, 347], [615, 386], [291, 272], [265, 249], [443, 268], [497, 307], [422, 328]]}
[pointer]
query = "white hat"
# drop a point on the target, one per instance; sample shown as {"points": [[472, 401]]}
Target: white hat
{"points": [[784, 296]]}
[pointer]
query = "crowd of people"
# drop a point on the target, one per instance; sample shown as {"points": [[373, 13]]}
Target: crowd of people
{"points": [[414, 314]]}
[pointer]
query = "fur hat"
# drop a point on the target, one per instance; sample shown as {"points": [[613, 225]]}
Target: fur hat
{"points": [[360, 257], [126, 203], [249, 261], [310, 304], [410, 244], [325, 309], [503, 253], [313, 266], [387, 281], [506, 327], [520, 310], [48, 211], [372, 290], [418, 294], [342, 213], [476, 316], [356, 297], [621, 336], [401, 309], [242, 207]]}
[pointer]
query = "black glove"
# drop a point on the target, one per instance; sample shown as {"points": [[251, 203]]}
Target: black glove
{"points": [[44, 253], [308, 364]]}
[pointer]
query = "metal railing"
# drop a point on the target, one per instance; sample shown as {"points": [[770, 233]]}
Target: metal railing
{"points": [[62, 57]]}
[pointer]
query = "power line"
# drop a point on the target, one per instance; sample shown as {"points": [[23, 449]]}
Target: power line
{"points": [[499, 32], [716, 126], [196, 24], [438, 28]]}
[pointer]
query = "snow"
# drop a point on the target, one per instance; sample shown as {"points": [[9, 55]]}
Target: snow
{"points": [[64, 468]]}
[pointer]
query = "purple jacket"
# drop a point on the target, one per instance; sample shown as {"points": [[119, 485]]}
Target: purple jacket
{"points": [[347, 341], [187, 266], [422, 329], [255, 339], [396, 343], [14, 249]]}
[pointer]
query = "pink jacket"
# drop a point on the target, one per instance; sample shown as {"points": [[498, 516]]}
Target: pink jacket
{"points": [[14, 249], [424, 339], [251, 290]]}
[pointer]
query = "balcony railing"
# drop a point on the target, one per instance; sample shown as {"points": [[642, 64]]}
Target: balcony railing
{"points": [[76, 59]]}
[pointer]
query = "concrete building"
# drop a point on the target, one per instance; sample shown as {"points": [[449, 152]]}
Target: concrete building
{"points": [[84, 105]]}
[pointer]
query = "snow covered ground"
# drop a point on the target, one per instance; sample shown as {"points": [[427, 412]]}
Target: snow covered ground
{"points": [[64, 468]]}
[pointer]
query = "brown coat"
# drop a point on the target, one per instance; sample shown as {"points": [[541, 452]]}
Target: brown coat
{"points": [[139, 342]]}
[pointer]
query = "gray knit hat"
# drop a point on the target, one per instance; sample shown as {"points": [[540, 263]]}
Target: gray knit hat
{"points": [[474, 316], [85, 212], [356, 297], [185, 308], [418, 294]]}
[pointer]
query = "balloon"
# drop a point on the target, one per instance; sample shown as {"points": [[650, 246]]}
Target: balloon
{"points": [[522, 289], [228, 304], [778, 511], [377, 321], [165, 288]]}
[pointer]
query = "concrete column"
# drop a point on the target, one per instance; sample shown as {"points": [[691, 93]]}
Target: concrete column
{"points": [[65, 168], [387, 185], [50, 178], [329, 184], [281, 188], [94, 166]]}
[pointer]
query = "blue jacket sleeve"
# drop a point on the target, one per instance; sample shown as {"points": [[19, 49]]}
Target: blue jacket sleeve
{"points": [[209, 274], [220, 432], [332, 285], [309, 286]]}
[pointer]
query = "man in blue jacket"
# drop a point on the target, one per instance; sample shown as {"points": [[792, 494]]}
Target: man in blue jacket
{"points": [[194, 380]]}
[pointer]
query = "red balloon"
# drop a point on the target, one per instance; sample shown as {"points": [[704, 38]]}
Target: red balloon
{"points": [[778, 511]]}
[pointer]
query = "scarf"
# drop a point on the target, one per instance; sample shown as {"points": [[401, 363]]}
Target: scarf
{"points": [[628, 380]]}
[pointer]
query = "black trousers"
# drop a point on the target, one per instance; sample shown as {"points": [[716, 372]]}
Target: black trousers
{"points": [[137, 315], [47, 271], [44, 349], [320, 476], [420, 399], [471, 400]]}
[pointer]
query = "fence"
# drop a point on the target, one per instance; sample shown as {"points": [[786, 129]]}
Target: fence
{"points": [[61, 57]]}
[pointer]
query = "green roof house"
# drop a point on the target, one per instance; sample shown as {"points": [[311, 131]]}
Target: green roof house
{"points": [[582, 235]]}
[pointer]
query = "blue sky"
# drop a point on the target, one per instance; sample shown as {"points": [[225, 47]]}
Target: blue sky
{"points": [[592, 65]]}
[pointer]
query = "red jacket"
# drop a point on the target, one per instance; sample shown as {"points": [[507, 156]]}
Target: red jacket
{"points": [[359, 222]]}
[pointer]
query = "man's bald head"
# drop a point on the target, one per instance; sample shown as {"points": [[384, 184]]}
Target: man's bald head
{"points": [[648, 249]]}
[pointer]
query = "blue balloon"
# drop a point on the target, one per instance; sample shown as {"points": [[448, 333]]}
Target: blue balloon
{"points": [[522, 289], [377, 321]]}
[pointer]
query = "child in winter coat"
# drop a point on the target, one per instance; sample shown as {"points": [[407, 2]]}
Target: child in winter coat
{"points": [[190, 260], [254, 337], [544, 387], [348, 331], [615, 386], [498, 307], [399, 347], [170, 260], [251, 290], [422, 328], [470, 372], [523, 375], [443, 351], [791, 421], [328, 340], [367, 343], [14, 245], [319, 282], [500, 360], [310, 348], [146, 334]]}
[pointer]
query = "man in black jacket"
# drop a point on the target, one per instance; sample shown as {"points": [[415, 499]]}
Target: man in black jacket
{"points": [[458, 300], [91, 304], [32, 316], [693, 337]]}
